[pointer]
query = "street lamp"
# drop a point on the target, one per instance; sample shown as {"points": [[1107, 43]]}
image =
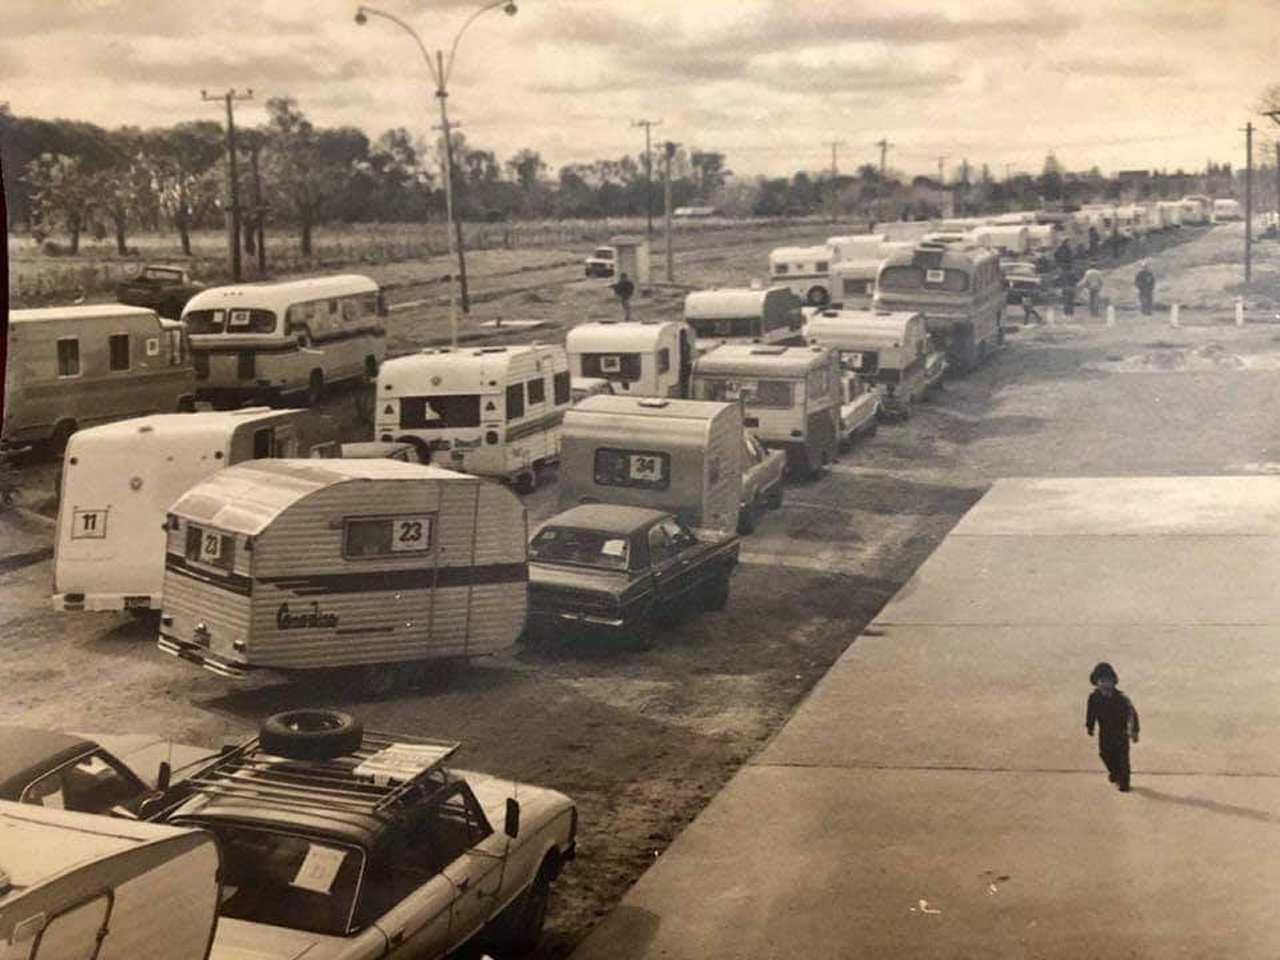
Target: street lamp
{"points": [[441, 70]]}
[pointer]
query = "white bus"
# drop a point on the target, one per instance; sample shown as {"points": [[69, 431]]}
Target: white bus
{"points": [[490, 411], [744, 315], [263, 340]]}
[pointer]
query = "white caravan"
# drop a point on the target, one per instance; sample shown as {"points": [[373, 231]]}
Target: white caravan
{"points": [[744, 315], [806, 271], [637, 359]]}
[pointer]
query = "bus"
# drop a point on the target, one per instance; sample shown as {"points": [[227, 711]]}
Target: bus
{"points": [[261, 341], [488, 411], [744, 315], [960, 290]]}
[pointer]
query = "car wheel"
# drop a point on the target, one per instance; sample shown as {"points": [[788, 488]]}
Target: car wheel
{"points": [[642, 634], [526, 483], [310, 734], [717, 593], [61, 436], [519, 928]]}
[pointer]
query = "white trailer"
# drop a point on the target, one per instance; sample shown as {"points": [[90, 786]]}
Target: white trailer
{"points": [[743, 315], [888, 351], [854, 280], [1227, 209], [76, 885], [858, 246], [1007, 239], [293, 565], [639, 359], [684, 456], [806, 271], [118, 480], [490, 411]]}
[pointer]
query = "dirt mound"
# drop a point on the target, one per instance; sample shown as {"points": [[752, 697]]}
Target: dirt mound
{"points": [[1167, 358]]}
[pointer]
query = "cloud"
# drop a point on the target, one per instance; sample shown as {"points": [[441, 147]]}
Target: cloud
{"points": [[254, 62], [1118, 67]]}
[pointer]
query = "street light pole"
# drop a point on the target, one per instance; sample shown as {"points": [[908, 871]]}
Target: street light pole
{"points": [[441, 69]]}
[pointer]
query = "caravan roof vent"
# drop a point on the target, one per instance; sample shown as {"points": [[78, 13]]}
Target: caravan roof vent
{"points": [[655, 402], [769, 351], [491, 350]]}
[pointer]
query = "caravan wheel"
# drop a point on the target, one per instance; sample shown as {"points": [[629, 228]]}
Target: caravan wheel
{"points": [[817, 296], [526, 483]]}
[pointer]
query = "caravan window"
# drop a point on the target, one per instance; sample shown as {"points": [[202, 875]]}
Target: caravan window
{"points": [[69, 357], [780, 268], [118, 351], [365, 537], [772, 393], [611, 366], [728, 327], [646, 469], [230, 321], [440, 413], [664, 359], [819, 383], [754, 393], [210, 547], [537, 391], [515, 401], [562, 388]]}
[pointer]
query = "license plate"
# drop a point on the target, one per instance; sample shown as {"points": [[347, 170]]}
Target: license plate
{"points": [[137, 603]]}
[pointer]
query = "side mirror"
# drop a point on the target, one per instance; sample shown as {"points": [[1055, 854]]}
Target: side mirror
{"points": [[512, 825], [164, 776]]}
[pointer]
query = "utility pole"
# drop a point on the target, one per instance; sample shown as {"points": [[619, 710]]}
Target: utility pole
{"points": [[233, 179], [1248, 202], [648, 171], [668, 154], [835, 146], [942, 177], [259, 212], [884, 146]]}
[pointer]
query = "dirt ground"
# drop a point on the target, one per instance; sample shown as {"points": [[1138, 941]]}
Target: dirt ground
{"points": [[642, 740]]}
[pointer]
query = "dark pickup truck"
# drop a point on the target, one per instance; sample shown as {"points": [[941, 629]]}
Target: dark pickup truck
{"points": [[165, 290], [602, 568]]}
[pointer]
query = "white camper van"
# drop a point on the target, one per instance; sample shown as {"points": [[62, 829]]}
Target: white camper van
{"points": [[1226, 209], [263, 340], [298, 564], [119, 479], [81, 885], [74, 367], [684, 456], [744, 315], [806, 271], [790, 396], [640, 359], [885, 350], [490, 411]]}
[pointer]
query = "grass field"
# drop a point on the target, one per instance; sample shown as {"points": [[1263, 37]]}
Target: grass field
{"points": [[37, 279]]}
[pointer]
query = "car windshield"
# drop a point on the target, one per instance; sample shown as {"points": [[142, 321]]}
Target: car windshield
{"points": [[286, 880], [603, 253], [161, 273], [586, 548]]}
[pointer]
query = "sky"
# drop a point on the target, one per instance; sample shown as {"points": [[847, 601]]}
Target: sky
{"points": [[769, 83]]}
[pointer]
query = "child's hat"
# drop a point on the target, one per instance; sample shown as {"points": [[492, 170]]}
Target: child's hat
{"points": [[1103, 669]]}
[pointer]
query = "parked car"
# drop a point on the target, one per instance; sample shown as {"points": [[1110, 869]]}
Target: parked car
{"points": [[164, 289], [601, 262], [69, 771], [620, 570], [762, 471], [339, 842]]}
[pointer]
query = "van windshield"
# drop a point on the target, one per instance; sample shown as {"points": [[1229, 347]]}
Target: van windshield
{"points": [[239, 320], [585, 548], [440, 413], [727, 326], [918, 278], [754, 393], [286, 880]]}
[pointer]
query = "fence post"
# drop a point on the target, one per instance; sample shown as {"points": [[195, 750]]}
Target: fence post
{"points": [[1173, 316], [1048, 316], [1111, 314], [1239, 311]]}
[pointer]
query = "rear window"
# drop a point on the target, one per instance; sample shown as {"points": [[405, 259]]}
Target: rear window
{"points": [[238, 320], [210, 547], [646, 469], [588, 548], [440, 413], [727, 327], [754, 393], [367, 537], [921, 278], [611, 366], [562, 388]]}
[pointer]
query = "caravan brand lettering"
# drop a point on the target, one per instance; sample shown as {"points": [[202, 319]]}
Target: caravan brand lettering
{"points": [[313, 619]]}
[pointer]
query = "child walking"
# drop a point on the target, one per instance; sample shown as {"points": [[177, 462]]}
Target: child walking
{"points": [[1117, 721]]}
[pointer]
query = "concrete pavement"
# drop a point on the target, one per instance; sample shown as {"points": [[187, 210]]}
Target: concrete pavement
{"points": [[936, 794]]}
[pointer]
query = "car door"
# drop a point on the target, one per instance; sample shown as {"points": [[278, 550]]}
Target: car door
{"points": [[459, 828], [411, 899]]}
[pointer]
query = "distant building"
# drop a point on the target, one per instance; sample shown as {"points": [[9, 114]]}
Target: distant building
{"points": [[690, 213]]}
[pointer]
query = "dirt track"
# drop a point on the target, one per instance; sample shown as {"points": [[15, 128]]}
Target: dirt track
{"points": [[641, 741]]}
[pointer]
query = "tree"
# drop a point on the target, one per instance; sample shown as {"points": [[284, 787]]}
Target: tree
{"points": [[62, 195], [527, 167], [125, 190], [710, 170], [183, 166]]}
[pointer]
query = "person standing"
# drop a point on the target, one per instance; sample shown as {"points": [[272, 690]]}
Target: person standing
{"points": [[624, 289], [1145, 281], [1092, 283], [1068, 281], [1117, 721]]}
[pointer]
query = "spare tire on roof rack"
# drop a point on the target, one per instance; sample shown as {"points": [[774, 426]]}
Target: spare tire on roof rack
{"points": [[310, 734]]}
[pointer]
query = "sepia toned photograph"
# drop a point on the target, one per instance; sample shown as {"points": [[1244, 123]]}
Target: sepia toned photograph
{"points": [[664, 481]]}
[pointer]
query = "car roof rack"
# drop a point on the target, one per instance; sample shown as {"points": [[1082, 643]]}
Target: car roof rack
{"points": [[371, 780]]}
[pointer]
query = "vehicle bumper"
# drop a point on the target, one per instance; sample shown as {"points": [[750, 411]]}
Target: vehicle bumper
{"points": [[194, 653], [64, 602], [571, 619]]}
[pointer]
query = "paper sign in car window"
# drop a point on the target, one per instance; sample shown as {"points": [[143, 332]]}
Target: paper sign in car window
{"points": [[935, 276], [319, 868], [239, 318], [614, 548]]}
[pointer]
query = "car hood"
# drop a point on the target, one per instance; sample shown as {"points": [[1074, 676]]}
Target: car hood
{"points": [[241, 940], [537, 804]]}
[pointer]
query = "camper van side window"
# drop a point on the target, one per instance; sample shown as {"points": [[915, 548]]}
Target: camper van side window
{"points": [[69, 357], [368, 537], [537, 391], [562, 391], [515, 401], [647, 469], [664, 359], [118, 350], [780, 268], [772, 393]]}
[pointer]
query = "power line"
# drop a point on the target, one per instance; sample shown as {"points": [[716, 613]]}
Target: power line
{"points": [[648, 169]]}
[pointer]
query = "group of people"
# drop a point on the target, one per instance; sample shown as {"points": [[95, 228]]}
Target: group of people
{"points": [[1090, 282]]}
